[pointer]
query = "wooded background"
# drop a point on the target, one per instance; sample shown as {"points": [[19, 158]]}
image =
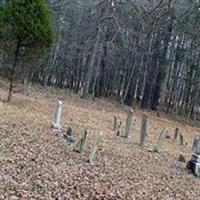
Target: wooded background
{"points": [[143, 52]]}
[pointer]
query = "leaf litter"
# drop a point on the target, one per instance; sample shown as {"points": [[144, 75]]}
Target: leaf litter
{"points": [[36, 163]]}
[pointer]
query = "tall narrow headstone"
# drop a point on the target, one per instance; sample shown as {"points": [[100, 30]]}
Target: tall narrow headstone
{"points": [[181, 139], [129, 122], [95, 147], [176, 132], [58, 112], [115, 123], [194, 145], [79, 147], [156, 147], [143, 132]]}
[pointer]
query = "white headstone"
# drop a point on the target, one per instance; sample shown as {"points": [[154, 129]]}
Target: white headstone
{"points": [[58, 112]]}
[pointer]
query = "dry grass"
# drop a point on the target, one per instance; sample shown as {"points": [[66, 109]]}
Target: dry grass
{"points": [[37, 164]]}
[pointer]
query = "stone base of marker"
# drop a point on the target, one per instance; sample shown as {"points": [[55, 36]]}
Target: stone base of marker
{"points": [[55, 127], [194, 164]]}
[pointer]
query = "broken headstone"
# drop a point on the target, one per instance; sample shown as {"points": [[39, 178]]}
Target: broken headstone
{"points": [[69, 136]]}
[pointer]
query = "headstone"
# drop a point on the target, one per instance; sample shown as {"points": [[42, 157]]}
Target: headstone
{"points": [[156, 147], [69, 136], [58, 112], [176, 132], [167, 136], [129, 122], [94, 148], [194, 163], [194, 145], [118, 130], [115, 123], [197, 148], [79, 147], [181, 139], [143, 132]]}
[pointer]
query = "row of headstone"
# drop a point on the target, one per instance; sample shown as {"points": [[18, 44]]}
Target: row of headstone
{"points": [[193, 164], [117, 124], [129, 121]]}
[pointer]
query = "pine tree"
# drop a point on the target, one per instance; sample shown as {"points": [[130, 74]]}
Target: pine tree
{"points": [[27, 24]]}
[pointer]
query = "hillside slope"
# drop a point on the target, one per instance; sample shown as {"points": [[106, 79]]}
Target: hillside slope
{"points": [[38, 164]]}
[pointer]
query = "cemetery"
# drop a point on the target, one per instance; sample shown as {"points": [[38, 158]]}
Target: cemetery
{"points": [[99, 100], [58, 146]]}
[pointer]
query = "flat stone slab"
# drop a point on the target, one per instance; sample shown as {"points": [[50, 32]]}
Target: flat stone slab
{"points": [[194, 167]]}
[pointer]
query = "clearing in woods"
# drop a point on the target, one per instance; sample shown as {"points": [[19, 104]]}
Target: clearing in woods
{"points": [[35, 163]]}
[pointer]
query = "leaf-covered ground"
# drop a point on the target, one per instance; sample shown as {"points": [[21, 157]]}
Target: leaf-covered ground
{"points": [[36, 163]]}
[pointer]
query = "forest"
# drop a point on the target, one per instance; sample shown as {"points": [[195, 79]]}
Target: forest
{"points": [[138, 52]]}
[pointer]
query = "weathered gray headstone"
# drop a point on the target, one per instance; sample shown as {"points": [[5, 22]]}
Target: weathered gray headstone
{"points": [[79, 147], [196, 139], [129, 122], [143, 132], [176, 132], [94, 147], [115, 123], [157, 146], [197, 148], [181, 139]]}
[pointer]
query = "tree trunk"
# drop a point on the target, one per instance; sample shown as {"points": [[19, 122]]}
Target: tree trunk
{"points": [[13, 70], [86, 87]]}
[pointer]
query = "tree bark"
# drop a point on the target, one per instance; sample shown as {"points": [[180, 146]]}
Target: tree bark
{"points": [[13, 69]]}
